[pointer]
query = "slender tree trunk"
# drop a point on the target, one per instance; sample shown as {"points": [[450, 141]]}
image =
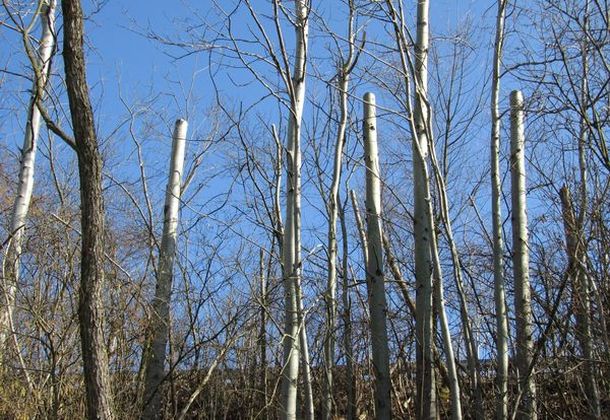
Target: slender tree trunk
{"points": [[307, 379], [25, 184], [498, 245], [91, 312], [422, 230], [471, 346], [576, 250], [348, 340], [291, 241], [160, 317], [439, 301], [523, 305], [360, 226], [374, 267], [397, 274], [331, 291], [262, 337]]}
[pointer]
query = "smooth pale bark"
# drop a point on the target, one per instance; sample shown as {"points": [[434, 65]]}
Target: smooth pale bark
{"points": [[374, 267], [501, 383], [333, 211], [25, 184], [581, 302], [331, 280], [471, 345], [523, 305], [425, 404], [160, 313], [471, 348], [307, 379], [90, 311], [293, 336], [454, 385], [439, 300], [426, 248]]}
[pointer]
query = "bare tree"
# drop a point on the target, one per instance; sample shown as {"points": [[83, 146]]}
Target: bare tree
{"points": [[23, 198], [154, 355], [91, 311], [498, 246], [374, 266], [521, 264], [291, 259], [345, 68]]}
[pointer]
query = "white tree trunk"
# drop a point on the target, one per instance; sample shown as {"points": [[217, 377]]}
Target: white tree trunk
{"points": [[523, 306], [498, 245], [160, 319], [422, 230], [374, 267], [291, 242], [456, 405], [331, 291], [307, 380], [26, 172]]}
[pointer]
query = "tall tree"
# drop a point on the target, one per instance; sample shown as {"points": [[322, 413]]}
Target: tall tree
{"points": [[291, 259], [25, 185], [345, 68], [374, 266], [521, 260], [496, 211], [90, 311], [154, 356], [422, 230]]}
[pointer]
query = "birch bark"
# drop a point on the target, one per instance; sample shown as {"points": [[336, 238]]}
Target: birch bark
{"points": [[498, 245], [291, 242], [25, 184], [374, 267], [523, 306], [333, 211], [422, 230], [160, 317]]}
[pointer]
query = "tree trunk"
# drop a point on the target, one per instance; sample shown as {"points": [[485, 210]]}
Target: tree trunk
{"points": [[291, 241], [307, 380], [523, 305], [331, 290], [25, 184], [360, 226], [348, 339], [422, 230], [160, 314], [91, 313], [262, 338], [374, 267], [498, 246]]}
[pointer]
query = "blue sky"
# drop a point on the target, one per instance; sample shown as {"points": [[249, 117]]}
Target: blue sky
{"points": [[121, 58]]}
